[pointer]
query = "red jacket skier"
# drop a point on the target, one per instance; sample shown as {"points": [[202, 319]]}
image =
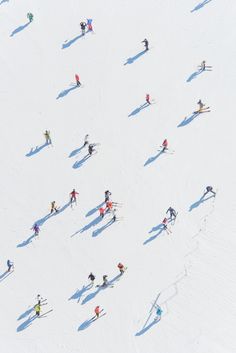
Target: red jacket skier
{"points": [[73, 195], [109, 205], [77, 80], [148, 98], [164, 145], [97, 310], [121, 267], [102, 211]]}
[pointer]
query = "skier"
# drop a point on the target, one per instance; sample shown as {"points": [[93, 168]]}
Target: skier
{"points": [[97, 311], [73, 196], [30, 16], [10, 265], [109, 206], [164, 223], [114, 215], [121, 267], [105, 281], [148, 98], [77, 80], [102, 211], [91, 277], [47, 137], [86, 140], [164, 145], [203, 66], [83, 26], [209, 189], [39, 299], [53, 207], [36, 229], [173, 213], [37, 309], [145, 41], [158, 313], [107, 195], [201, 106], [89, 24], [91, 149]]}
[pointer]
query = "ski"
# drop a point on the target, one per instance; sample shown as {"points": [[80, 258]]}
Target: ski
{"points": [[96, 318], [44, 314], [205, 66]]}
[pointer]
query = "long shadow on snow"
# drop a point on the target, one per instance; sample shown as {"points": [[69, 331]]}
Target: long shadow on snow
{"points": [[200, 5], [187, 120], [134, 58], [75, 152], [137, 110], [67, 44], [194, 75], [35, 150], [93, 223], [158, 228], [66, 91], [26, 323], [26, 313], [26, 242], [93, 295], [85, 324], [19, 29], [152, 159], [5, 275], [79, 164], [145, 329], [95, 209], [79, 292], [199, 202], [100, 230]]}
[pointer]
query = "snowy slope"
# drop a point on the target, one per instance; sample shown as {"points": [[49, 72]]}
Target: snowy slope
{"points": [[193, 267]]}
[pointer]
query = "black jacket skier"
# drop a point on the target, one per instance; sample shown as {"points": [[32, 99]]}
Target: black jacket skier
{"points": [[145, 41]]}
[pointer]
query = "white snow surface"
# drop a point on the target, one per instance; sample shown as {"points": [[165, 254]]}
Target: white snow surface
{"points": [[191, 270]]}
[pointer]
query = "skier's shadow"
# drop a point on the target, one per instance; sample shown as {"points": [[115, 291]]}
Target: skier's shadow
{"points": [[95, 209], [158, 228], [79, 164], [66, 91], [153, 158], [41, 221], [26, 324], [67, 44], [80, 292], [35, 150], [199, 202], [26, 242], [131, 60], [92, 295], [4, 275], [75, 152], [26, 313], [100, 230], [194, 75], [145, 329], [187, 120], [85, 324], [137, 110], [200, 5], [93, 223], [19, 29]]}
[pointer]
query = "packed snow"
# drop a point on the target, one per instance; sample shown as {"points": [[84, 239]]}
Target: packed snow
{"points": [[188, 269]]}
